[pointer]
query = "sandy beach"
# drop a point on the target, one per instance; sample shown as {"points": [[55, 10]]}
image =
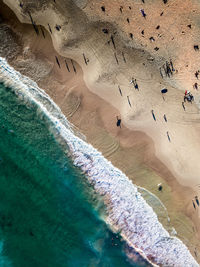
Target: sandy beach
{"points": [[88, 94]]}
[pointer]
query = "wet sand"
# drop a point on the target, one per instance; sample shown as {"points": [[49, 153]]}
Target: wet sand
{"points": [[135, 152]]}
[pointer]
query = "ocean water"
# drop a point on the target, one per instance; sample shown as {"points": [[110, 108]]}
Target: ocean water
{"points": [[62, 203], [49, 214]]}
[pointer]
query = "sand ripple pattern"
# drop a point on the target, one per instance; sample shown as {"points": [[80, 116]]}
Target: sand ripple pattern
{"points": [[128, 212], [72, 105], [108, 145]]}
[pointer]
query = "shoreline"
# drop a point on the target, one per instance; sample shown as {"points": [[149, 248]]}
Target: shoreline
{"points": [[106, 180], [106, 128]]}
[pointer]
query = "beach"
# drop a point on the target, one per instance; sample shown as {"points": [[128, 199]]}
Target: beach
{"points": [[122, 206], [140, 148]]}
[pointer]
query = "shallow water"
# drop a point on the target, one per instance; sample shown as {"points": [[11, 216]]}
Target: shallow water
{"points": [[49, 214]]}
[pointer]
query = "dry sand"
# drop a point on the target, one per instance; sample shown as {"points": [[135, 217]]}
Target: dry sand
{"points": [[141, 148]]}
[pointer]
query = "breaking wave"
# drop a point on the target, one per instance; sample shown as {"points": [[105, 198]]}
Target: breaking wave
{"points": [[127, 211]]}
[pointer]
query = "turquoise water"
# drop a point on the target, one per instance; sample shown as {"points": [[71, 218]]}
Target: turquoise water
{"points": [[49, 215]]}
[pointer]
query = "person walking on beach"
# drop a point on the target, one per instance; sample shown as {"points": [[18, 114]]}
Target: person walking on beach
{"points": [[195, 86], [103, 8], [197, 200], [168, 137], [193, 204], [136, 85], [143, 13], [118, 122], [168, 69], [165, 118], [172, 66], [153, 115], [120, 91], [85, 59], [160, 187]]}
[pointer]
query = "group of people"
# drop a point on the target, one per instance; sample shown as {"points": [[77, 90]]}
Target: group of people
{"points": [[188, 96], [134, 82], [168, 69]]}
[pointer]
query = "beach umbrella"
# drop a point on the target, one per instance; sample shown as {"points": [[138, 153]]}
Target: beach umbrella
{"points": [[164, 91]]}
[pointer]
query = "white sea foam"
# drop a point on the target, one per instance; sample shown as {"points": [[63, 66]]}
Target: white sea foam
{"points": [[4, 261], [128, 212]]}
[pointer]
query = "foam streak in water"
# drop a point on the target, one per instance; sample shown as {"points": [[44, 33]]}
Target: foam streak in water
{"points": [[128, 212]]}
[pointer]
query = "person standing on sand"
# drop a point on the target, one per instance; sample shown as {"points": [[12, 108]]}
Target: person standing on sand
{"points": [[154, 117], [119, 122], [197, 74], [143, 13], [171, 63], [193, 204], [160, 187], [197, 201], [168, 137], [85, 59], [120, 91], [136, 85], [168, 69], [195, 86]]}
